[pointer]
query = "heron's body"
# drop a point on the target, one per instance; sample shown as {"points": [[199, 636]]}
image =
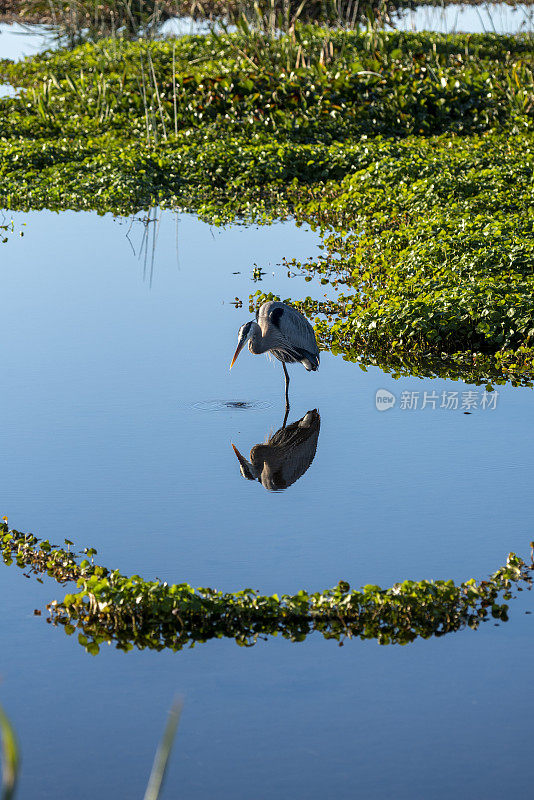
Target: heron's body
{"points": [[285, 333]]}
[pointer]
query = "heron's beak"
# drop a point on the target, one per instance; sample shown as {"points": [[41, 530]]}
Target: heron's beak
{"points": [[243, 461], [247, 469], [237, 351]]}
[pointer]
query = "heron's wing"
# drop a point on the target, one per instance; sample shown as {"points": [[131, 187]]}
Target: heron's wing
{"points": [[295, 433], [293, 326]]}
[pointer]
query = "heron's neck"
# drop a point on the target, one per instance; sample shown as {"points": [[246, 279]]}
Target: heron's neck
{"points": [[257, 343]]}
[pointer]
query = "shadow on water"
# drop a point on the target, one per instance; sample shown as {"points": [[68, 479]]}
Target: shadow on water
{"points": [[285, 456]]}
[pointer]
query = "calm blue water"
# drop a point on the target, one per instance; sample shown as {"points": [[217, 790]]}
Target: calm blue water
{"points": [[455, 18], [117, 424]]}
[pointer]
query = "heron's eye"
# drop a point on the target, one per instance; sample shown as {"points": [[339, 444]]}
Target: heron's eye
{"points": [[243, 331]]}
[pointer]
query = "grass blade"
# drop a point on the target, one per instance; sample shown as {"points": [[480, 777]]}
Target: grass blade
{"points": [[163, 753], [10, 758]]}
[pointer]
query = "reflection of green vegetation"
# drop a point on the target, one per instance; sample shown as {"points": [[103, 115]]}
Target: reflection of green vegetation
{"points": [[129, 611], [515, 367], [93, 19], [4, 230], [430, 229]]}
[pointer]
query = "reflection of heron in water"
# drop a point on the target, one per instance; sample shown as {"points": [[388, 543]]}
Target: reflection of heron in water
{"points": [[285, 456]]}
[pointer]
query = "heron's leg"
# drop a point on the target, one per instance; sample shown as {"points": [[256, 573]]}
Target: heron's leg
{"points": [[285, 417], [287, 385]]}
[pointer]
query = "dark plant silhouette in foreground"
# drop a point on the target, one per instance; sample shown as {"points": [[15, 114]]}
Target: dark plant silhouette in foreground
{"points": [[11, 756]]}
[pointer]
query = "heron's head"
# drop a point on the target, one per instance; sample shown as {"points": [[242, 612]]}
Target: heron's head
{"points": [[247, 469], [244, 334]]}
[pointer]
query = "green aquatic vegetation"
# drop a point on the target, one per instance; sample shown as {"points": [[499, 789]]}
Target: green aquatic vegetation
{"points": [[108, 607], [435, 241], [89, 20], [428, 243], [429, 246], [411, 153], [395, 85]]}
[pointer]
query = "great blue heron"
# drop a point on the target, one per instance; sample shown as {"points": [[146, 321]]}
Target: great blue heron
{"points": [[282, 331], [285, 456]]}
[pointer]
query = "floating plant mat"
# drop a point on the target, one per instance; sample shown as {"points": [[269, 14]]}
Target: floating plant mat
{"points": [[108, 607]]}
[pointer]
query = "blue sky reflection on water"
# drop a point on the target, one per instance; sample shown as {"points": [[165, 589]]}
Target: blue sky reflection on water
{"points": [[116, 433]]}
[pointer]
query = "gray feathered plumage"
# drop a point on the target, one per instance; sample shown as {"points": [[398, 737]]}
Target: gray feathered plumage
{"points": [[291, 336]]}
